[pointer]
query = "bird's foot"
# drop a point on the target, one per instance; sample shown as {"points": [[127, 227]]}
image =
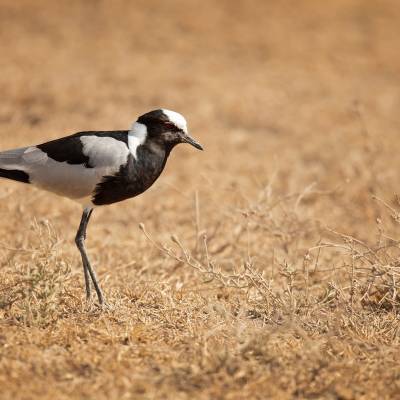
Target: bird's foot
{"points": [[94, 306], [106, 306]]}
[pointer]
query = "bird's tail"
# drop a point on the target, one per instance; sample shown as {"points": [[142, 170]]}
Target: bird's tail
{"points": [[12, 165], [15, 175]]}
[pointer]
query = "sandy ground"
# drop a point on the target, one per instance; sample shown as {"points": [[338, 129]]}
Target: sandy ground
{"points": [[270, 265]]}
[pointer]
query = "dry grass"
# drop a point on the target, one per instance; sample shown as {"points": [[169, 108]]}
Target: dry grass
{"points": [[265, 267]]}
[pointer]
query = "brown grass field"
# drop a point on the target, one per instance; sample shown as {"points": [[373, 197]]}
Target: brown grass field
{"points": [[266, 267]]}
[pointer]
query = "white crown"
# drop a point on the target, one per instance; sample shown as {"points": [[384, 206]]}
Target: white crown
{"points": [[177, 119]]}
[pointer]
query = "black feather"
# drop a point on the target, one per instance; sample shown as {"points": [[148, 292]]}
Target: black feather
{"points": [[70, 148], [15, 175], [134, 177]]}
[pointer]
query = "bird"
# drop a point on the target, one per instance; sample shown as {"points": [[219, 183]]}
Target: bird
{"points": [[98, 168]]}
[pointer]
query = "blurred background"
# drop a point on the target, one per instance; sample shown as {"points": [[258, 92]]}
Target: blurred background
{"points": [[300, 89], [297, 106]]}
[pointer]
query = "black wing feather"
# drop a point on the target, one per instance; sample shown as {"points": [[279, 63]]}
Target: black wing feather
{"points": [[15, 175], [70, 148]]}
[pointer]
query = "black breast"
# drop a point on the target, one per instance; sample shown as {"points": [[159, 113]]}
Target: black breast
{"points": [[133, 178]]}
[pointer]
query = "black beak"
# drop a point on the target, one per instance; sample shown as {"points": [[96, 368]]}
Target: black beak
{"points": [[190, 140]]}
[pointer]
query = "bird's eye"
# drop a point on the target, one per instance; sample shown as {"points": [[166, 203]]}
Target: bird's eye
{"points": [[170, 126]]}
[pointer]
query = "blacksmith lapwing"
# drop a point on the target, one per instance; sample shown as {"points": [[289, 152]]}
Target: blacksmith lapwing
{"points": [[97, 168]]}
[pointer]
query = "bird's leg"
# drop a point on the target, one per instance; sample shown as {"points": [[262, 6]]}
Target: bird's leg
{"points": [[87, 268], [80, 242]]}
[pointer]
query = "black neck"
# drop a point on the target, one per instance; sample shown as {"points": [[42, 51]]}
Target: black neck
{"points": [[136, 176]]}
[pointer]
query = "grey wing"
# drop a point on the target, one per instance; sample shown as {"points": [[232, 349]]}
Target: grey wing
{"points": [[32, 165], [75, 181], [10, 162], [12, 159]]}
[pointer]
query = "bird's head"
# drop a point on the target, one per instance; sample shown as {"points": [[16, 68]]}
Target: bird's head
{"points": [[164, 126]]}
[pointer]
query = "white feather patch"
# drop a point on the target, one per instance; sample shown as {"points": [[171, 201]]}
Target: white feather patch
{"points": [[177, 119], [33, 155], [136, 137], [104, 152]]}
